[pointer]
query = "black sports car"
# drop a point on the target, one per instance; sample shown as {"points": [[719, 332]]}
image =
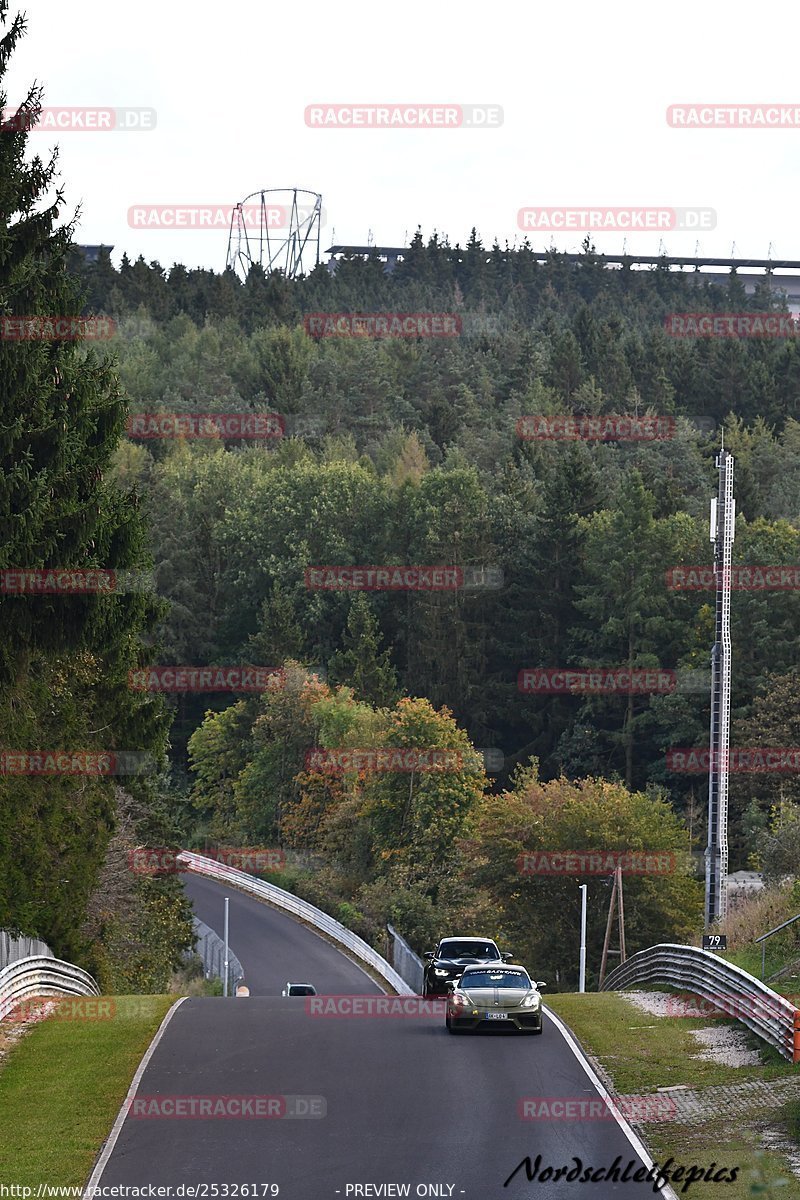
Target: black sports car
{"points": [[447, 962]]}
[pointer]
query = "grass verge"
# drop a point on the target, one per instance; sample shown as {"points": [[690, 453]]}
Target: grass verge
{"points": [[636, 1053], [61, 1087]]}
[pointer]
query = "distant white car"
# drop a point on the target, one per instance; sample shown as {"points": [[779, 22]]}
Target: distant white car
{"points": [[299, 989]]}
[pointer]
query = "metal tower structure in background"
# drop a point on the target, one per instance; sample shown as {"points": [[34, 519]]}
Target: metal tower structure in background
{"points": [[723, 513], [278, 228]]}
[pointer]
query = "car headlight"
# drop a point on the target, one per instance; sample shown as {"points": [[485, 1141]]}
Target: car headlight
{"points": [[532, 1000], [439, 971], [459, 999]]}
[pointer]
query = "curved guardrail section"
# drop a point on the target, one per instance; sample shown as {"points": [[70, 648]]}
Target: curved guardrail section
{"points": [[42, 976], [726, 986], [302, 909]]}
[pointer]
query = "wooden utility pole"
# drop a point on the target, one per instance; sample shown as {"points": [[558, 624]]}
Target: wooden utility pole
{"points": [[616, 902]]}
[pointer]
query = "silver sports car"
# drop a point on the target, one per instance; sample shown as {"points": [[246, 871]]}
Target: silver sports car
{"points": [[494, 996]]}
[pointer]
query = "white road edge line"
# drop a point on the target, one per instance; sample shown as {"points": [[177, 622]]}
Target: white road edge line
{"points": [[108, 1148], [630, 1134]]}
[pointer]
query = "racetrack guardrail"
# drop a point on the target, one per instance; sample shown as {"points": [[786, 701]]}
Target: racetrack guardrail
{"points": [[13, 948], [726, 986], [326, 924], [42, 976]]}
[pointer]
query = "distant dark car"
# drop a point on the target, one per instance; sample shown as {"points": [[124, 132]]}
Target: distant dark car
{"points": [[504, 997], [447, 962], [299, 989]]}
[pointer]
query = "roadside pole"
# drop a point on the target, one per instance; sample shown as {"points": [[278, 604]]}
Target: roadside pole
{"points": [[582, 978]]}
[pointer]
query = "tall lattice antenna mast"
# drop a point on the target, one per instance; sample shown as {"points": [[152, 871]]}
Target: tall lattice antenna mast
{"points": [[723, 515]]}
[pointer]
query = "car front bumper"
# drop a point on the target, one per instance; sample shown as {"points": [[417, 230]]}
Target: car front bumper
{"points": [[520, 1019]]}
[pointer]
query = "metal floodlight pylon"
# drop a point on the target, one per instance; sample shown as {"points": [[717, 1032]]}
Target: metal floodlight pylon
{"points": [[723, 516], [277, 228]]}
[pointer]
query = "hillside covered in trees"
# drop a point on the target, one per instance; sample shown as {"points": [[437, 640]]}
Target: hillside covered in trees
{"points": [[409, 451]]}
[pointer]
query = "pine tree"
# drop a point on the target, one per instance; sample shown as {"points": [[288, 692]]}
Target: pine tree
{"points": [[280, 635], [543, 597], [629, 618], [361, 664], [64, 658]]}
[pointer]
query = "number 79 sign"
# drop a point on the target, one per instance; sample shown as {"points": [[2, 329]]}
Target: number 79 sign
{"points": [[715, 941]]}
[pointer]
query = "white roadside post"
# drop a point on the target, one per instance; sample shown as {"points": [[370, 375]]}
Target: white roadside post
{"points": [[582, 977]]}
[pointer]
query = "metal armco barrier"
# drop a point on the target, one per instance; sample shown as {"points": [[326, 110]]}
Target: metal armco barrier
{"points": [[728, 987], [300, 908], [42, 976]]}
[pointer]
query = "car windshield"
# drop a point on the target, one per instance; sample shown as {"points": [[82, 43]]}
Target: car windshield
{"points": [[301, 989], [494, 979], [468, 950]]}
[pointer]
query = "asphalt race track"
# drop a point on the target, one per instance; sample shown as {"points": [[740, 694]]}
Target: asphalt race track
{"points": [[272, 947], [379, 1099]]}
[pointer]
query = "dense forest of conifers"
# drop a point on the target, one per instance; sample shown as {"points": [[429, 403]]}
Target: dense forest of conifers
{"points": [[405, 451], [402, 450], [419, 439]]}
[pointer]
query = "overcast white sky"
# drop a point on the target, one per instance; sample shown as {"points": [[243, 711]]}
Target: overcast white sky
{"points": [[584, 90]]}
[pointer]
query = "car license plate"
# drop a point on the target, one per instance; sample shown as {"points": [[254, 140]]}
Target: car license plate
{"points": [[497, 1016]]}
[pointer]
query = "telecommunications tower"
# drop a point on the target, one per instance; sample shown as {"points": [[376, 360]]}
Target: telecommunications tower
{"points": [[723, 514]]}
